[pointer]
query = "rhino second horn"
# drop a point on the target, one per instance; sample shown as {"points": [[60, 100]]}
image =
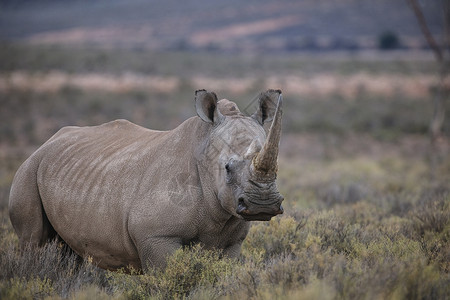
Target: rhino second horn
{"points": [[265, 163]]}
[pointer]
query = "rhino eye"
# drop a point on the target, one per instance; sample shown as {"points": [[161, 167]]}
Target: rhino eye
{"points": [[227, 167]]}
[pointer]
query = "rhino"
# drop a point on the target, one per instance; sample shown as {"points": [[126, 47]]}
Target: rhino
{"points": [[127, 196]]}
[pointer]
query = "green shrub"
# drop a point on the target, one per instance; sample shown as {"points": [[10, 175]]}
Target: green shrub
{"points": [[431, 220], [53, 264], [268, 239], [187, 270], [365, 219], [432, 213], [21, 288], [91, 292], [420, 280]]}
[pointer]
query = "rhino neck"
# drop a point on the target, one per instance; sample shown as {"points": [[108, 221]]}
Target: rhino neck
{"points": [[207, 160], [210, 201]]}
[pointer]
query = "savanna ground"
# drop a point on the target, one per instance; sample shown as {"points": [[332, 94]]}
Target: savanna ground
{"points": [[367, 209]]}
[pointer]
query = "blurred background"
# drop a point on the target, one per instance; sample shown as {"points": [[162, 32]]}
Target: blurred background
{"points": [[365, 90], [364, 163]]}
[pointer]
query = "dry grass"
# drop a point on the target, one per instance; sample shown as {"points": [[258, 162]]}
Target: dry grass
{"points": [[320, 85], [357, 225], [365, 218]]}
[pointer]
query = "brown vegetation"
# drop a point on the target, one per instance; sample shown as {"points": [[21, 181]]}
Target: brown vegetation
{"points": [[364, 218]]}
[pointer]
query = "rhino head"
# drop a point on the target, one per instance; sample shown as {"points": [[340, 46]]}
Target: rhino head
{"points": [[243, 154]]}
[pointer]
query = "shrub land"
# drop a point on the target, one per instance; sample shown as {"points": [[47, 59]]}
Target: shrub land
{"points": [[367, 215]]}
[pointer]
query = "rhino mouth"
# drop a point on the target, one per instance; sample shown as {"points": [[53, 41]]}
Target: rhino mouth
{"points": [[261, 214], [258, 217]]}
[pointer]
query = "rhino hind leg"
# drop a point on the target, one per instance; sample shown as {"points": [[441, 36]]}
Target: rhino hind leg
{"points": [[25, 208]]}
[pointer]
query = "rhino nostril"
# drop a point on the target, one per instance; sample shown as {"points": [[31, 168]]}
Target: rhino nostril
{"points": [[241, 207]]}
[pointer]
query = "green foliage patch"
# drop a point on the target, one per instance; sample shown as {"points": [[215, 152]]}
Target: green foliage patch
{"points": [[350, 251], [187, 270], [366, 217]]}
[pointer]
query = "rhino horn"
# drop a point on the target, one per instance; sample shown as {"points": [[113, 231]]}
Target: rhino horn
{"points": [[265, 163]]}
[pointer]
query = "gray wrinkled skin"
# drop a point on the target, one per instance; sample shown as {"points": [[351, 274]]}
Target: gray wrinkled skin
{"points": [[129, 196]]}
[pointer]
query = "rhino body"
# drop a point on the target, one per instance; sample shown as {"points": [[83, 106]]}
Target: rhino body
{"points": [[129, 196]]}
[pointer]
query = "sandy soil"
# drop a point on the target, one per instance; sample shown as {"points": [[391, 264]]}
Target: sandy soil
{"points": [[320, 84]]}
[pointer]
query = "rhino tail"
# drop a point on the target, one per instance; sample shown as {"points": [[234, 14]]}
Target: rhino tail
{"points": [[25, 207]]}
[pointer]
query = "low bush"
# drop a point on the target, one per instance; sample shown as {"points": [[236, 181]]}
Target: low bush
{"points": [[187, 269], [363, 217], [346, 251], [51, 269]]}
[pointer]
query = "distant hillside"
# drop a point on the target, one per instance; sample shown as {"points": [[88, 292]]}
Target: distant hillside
{"points": [[255, 25]]}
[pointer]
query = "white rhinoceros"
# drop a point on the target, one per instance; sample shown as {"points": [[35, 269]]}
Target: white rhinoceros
{"points": [[129, 196]]}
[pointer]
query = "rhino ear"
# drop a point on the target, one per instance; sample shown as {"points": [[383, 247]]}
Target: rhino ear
{"points": [[206, 106], [267, 105]]}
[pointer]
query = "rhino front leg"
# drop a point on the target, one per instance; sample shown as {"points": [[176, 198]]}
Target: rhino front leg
{"points": [[153, 252], [233, 251]]}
